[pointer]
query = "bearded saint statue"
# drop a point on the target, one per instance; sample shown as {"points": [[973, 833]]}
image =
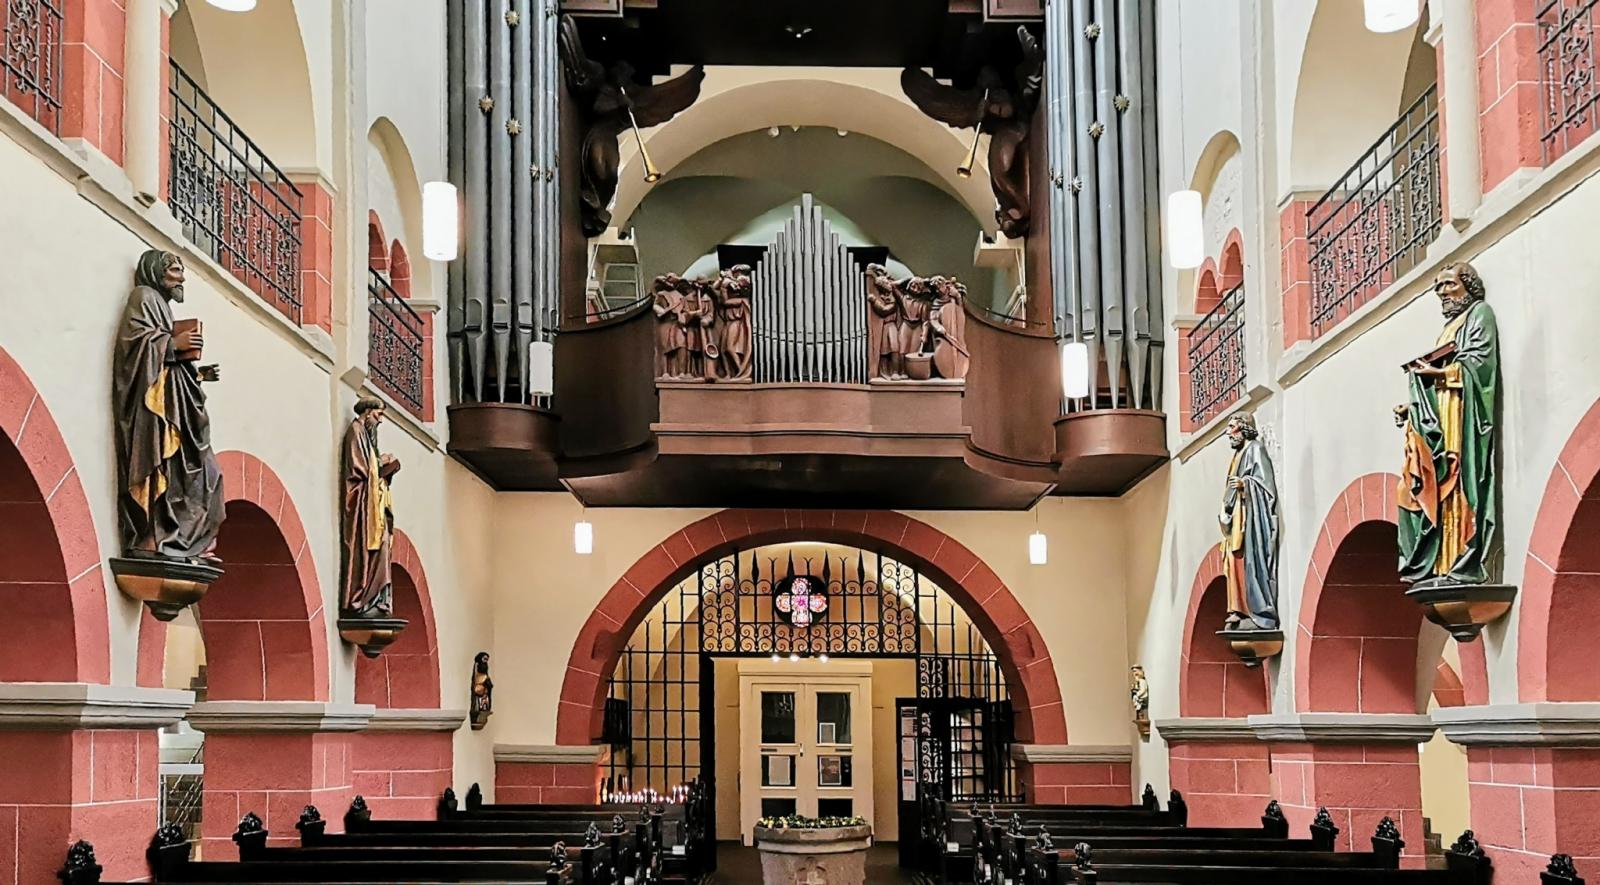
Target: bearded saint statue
{"points": [[169, 489], [366, 517], [1448, 497], [1249, 521]]}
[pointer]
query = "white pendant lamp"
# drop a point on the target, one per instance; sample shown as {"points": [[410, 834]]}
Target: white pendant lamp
{"points": [[582, 538], [1038, 549], [233, 5], [1185, 230], [542, 368], [1074, 370], [1388, 16], [441, 219]]}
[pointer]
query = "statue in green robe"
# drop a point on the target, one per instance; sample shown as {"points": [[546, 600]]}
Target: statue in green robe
{"points": [[1448, 497]]}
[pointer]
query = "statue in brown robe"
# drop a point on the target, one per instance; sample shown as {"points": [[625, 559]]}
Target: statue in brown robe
{"points": [[169, 489], [667, 304], [366, 517], [884, 299], [733, 289]]}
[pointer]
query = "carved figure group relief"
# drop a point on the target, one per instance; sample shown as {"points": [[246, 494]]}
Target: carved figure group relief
{"points": [[916, 327], [703, 326]]}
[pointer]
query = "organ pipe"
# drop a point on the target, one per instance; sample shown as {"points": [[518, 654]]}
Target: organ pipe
{"points": [[810, 305]]}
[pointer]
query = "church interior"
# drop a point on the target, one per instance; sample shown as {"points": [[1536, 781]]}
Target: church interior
{"points": [[805, 442]]}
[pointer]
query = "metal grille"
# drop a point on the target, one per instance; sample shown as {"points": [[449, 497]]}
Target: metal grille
{"points": [[663, 687], [1216, 358], [1566, 53], [30, 58], [394, 343], [233, 202], [1376, 222]]}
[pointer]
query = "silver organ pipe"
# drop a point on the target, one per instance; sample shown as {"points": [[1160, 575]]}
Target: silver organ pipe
{"points": [[810, 323]]}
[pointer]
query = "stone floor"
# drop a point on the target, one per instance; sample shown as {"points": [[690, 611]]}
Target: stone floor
{"points": [[737, 865]]}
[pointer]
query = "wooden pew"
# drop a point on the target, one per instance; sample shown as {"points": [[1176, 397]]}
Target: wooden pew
{"points": [[1466, 866]]}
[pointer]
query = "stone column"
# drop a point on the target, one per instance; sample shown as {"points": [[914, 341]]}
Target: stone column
{"points": [[1534, 775], [80, 761], [527, 773], [1453, 32], [1220, 768], [1057, 774], [274, 758], [145, 90], [1361, 766], [404, 760]]}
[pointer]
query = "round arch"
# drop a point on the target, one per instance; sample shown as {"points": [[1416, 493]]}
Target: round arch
{"points": [[262, 622], [406, 675], [377, 245], [267, 84], [1347, 92], [1213, 681], [728, 107], [1559, 583], [51, 583], [389, 145], [1024, 659]]}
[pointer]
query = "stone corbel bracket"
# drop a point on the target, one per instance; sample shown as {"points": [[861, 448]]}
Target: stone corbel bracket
{"points": [[1037, 754]]}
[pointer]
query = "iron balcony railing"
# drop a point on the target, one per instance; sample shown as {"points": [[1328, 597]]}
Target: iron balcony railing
{"points": [[233, 202], [30, 58], [394, 344], [1216, 358], [1377, 220], [1567, 57]]}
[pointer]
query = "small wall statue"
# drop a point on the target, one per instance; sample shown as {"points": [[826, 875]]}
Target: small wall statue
{"points": [[916, 327], [366, 534], [1249, 522], [1448, 493], [703, 326], [170, 502], [1139, 694], [482, 692]]}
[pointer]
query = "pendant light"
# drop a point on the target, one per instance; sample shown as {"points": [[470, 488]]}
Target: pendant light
{"points": [[441, 221], [1038, 544], [541, 368], [1388, 16], [233, 5], [1185, 230], [1074, 370], [582, 537]]}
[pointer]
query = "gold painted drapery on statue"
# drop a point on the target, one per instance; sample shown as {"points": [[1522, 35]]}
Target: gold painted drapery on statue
{"points": [[169, 498], [1447, 507], [367, 527]]}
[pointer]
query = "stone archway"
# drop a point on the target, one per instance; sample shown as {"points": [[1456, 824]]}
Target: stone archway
{"points": [[1025, 661], [51, 584]]}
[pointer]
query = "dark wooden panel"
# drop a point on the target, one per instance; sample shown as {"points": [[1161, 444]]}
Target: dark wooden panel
{"points": [[1036, 256], [1107, 451], [605, 391], [1028, 10], [1012, 400]]}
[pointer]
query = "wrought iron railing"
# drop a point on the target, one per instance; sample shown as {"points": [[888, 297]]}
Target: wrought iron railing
{"points": [[182, 793], [1216, 358], [1376, 222], [30, 58], [1567, 56], [394, 344], [233, 202]]}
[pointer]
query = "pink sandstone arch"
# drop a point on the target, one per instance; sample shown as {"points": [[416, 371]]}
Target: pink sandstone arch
{"points": [[406, 675], [263, 622], [1361, 656], [51, 581], [1212, 681], [1561, 577], [1024, 659]]}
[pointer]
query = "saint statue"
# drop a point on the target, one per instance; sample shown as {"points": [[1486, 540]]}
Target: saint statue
{"points": [[732, 290], [698, 315], [1448, 498], [1139, 693], [366, 518], [916, 305], [884, 300], [482, 692], [169, 486], [1249, 521]]}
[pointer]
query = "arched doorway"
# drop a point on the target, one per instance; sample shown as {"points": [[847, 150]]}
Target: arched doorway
{"points": [[404, 760], [255, 649], [1225, 777], [997, 621]]}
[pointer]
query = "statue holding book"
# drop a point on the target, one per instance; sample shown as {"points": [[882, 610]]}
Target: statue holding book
{"points": [[1448, 492]]}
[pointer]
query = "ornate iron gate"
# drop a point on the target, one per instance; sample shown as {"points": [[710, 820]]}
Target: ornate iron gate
{"points": [[808, 600]]}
